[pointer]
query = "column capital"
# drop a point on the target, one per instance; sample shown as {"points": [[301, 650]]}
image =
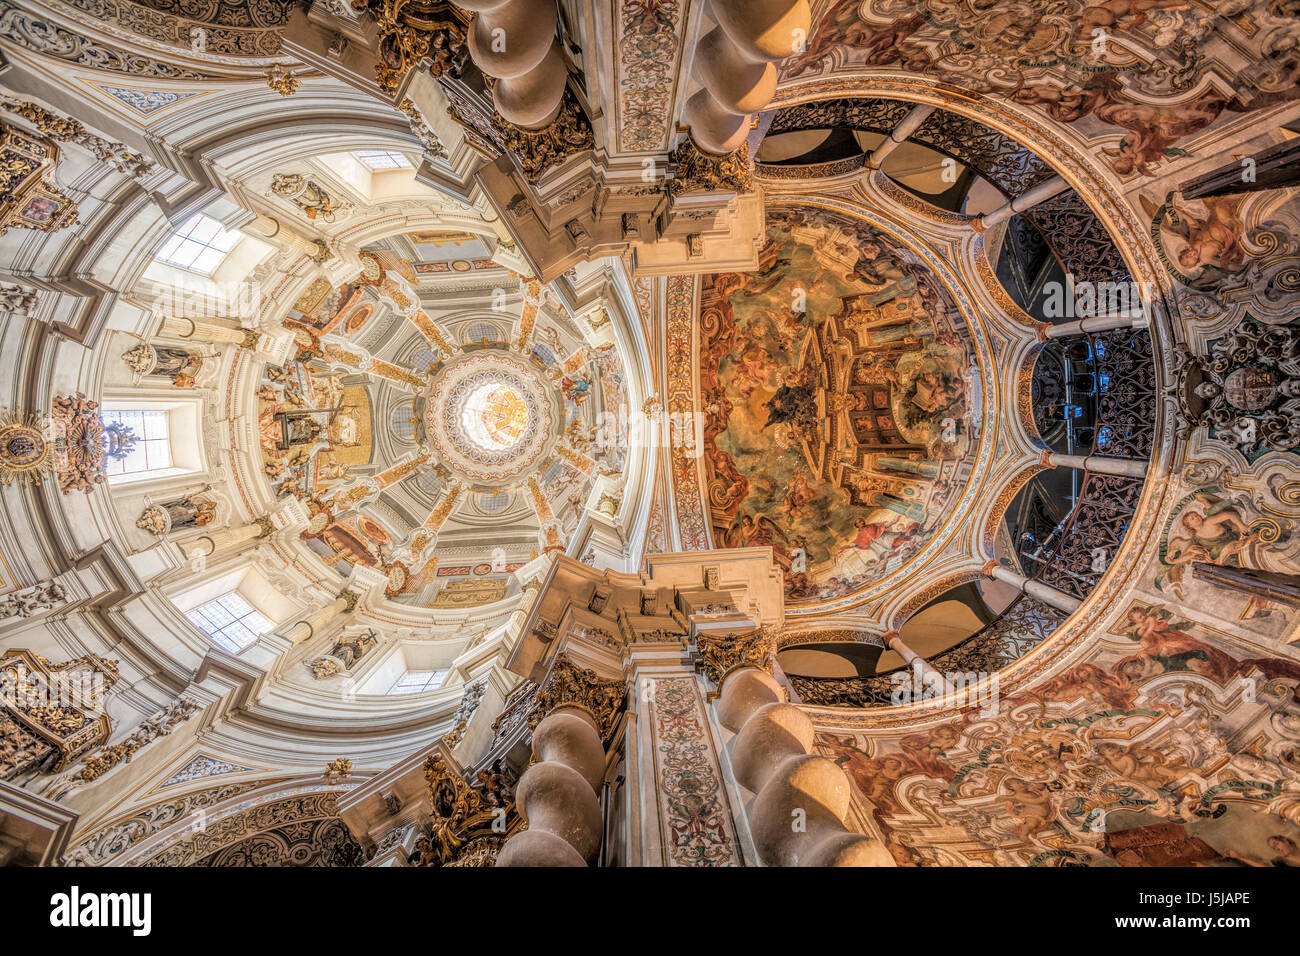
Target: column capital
{"points": [[724, 654], [990, 568]]}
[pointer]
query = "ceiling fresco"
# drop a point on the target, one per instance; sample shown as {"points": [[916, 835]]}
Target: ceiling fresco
{"points": [[1156, 71], [840, 399], [442, 454]]}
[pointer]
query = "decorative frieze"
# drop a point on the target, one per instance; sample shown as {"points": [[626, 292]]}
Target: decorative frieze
{"points": [[105, 759], [33, 600], [694, 816], [68, 130]]}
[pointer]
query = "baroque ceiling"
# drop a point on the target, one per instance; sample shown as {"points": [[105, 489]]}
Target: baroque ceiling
{"points": [[510, 351]]}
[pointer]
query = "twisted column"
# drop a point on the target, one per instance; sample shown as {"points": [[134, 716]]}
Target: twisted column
{"points": [[735, 67], [516, 42], [557, 795], [801, 798]]}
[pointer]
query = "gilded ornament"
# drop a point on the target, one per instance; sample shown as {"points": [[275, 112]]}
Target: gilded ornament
{"points": [[696, 170], [719, 656], [282, 81], [569, 685]]}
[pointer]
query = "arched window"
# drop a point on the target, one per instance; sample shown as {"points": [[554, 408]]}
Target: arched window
{"points": [[482, 330], [403, 421]]}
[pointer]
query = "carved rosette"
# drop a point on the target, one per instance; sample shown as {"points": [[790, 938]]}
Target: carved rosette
{"points": [[568, 685], [77, 420], [721, 655]]}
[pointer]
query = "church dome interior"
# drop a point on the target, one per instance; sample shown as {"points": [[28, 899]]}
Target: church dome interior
{"points": [[541, 433]]}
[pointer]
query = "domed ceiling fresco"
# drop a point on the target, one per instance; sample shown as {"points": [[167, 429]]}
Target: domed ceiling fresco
{"points": [[401, 436], [838, 388]]}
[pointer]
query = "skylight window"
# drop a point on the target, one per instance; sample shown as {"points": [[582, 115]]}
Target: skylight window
{"points": [[377, 159], [199, 245], [415, 682], [230, 621]]}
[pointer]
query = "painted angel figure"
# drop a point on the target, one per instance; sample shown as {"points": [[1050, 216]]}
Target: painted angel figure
{"points": [[1217, 533]]}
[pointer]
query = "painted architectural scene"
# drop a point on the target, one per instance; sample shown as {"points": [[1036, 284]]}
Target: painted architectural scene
{"points": [[838, 389]]}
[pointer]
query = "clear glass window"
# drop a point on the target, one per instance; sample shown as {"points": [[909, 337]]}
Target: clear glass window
{"points": [[199, 245], [413, 682], [152, 450], [230, 621], [377, 159]]}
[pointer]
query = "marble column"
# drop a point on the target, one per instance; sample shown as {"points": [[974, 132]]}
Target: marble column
{"points": [[272, 230], [908, 125], [915, 660], [1026, 200], [208, 544], [320, 619], [183, 328], [1098, 464], [1035, 589], [1092, 323]]}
